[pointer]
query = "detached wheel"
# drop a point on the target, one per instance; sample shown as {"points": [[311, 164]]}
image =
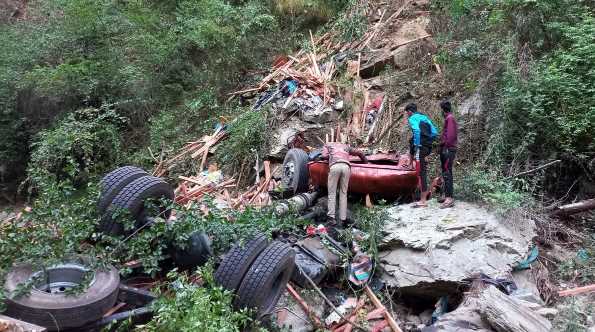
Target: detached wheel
{"points": [[266, 279], [196, 252], [295, 171], [238, 260], [114, 182], [48, 303], [131, 202]]}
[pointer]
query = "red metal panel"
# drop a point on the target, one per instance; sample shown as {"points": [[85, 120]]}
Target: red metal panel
{"points": [[390, 180]]}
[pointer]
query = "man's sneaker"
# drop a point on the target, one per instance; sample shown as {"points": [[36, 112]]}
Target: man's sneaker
{"points": [[448, 203]]}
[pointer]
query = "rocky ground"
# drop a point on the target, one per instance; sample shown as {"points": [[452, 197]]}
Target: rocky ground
{"points": [[453, 269]]}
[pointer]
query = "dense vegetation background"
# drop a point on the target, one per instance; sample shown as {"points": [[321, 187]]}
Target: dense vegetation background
{"points": [[86, 85]]}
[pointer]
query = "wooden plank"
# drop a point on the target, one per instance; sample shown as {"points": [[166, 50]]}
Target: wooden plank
{"points": [[114, 309], [267, 170], [577, 291], [315, 320], [391, 321]]}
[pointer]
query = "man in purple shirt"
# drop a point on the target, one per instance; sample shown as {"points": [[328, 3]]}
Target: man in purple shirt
{"points": [[448, 149]]}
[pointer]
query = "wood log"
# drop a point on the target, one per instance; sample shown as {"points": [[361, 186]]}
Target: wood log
{"points": [[570, 209], [391, 321], [577, 291], [315, 320], [507, 314]]}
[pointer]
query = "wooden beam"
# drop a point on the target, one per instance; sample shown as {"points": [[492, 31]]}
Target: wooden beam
{"points": [[569, 209], [577, 291], [391, 321]]}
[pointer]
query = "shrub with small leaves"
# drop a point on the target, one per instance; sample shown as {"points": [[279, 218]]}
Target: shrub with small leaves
{"points": [[85, 143]]}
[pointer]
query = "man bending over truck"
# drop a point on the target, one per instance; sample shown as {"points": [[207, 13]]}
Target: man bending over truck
{"points": [[338, 177]]}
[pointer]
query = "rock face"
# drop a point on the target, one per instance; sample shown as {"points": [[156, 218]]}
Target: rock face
{"points": [[429, 251]]}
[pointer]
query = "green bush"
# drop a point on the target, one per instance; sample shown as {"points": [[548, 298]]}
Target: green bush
{"points": [[86, 143], [194, 307], [247, 137], [481, 185], [551, 112], [145, 58]]}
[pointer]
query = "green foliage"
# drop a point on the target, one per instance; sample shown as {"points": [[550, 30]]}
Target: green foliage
{"points": [[486, 186], [59, 222], [551, 112], [574, 314], [247, 137], [370, 222], [581, 268], [194, 307], [353, 23], [144, 58], [86, 142], [309, 11]]}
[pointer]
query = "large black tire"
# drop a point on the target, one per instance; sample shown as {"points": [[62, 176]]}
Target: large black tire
{"points": [[58, 311], [196, 252], [114, 182], [131, 200], [295, 171], [238, 260], [266, 279]]}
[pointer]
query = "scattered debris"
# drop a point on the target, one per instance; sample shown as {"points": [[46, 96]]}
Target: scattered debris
{"points": [[391, 321], [8, 324], [200, 148], [317, 323]]}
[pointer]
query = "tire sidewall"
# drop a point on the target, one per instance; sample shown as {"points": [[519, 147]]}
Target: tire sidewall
{"points": [[67, 311]]}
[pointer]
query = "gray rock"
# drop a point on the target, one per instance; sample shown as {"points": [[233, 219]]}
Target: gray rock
{"points": [[507, 314], [472, 105], [429, 251], [465, 318], [527, 287], [549, 313]]}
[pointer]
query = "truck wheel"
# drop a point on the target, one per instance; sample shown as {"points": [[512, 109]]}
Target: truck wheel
{"points": [[131, 200], [114, 181], [238, 260], [266, 279], [196, 252], [295, 171], [48, 303]]}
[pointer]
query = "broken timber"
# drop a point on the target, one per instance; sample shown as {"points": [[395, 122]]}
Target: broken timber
{"points": [[569, 209]]}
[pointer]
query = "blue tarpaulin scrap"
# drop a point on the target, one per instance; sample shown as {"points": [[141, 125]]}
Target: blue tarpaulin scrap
{"points": [[525, 264]]}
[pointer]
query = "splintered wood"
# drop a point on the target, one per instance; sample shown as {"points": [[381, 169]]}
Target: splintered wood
{"points": [[196, 149], [306, 68], [196, 188]]}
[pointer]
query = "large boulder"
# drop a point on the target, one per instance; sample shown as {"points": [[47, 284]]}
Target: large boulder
{"points": [[429, 251]]}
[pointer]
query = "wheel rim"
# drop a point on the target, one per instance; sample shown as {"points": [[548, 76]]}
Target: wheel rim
{"points": [[288, 173], [60, 279]]}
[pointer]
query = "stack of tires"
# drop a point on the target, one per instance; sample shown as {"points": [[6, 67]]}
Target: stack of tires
{"points": [[127, 189], [257, 273]]}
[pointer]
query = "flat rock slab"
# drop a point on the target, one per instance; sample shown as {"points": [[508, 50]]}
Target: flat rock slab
{"points": [[433, 247]]}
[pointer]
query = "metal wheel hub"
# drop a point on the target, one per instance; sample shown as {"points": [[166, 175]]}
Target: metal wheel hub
{"points": [[288, 173], [61, 278]]}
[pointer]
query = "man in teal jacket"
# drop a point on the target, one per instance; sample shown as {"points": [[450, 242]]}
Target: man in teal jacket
{"points": [[424, 133]]}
